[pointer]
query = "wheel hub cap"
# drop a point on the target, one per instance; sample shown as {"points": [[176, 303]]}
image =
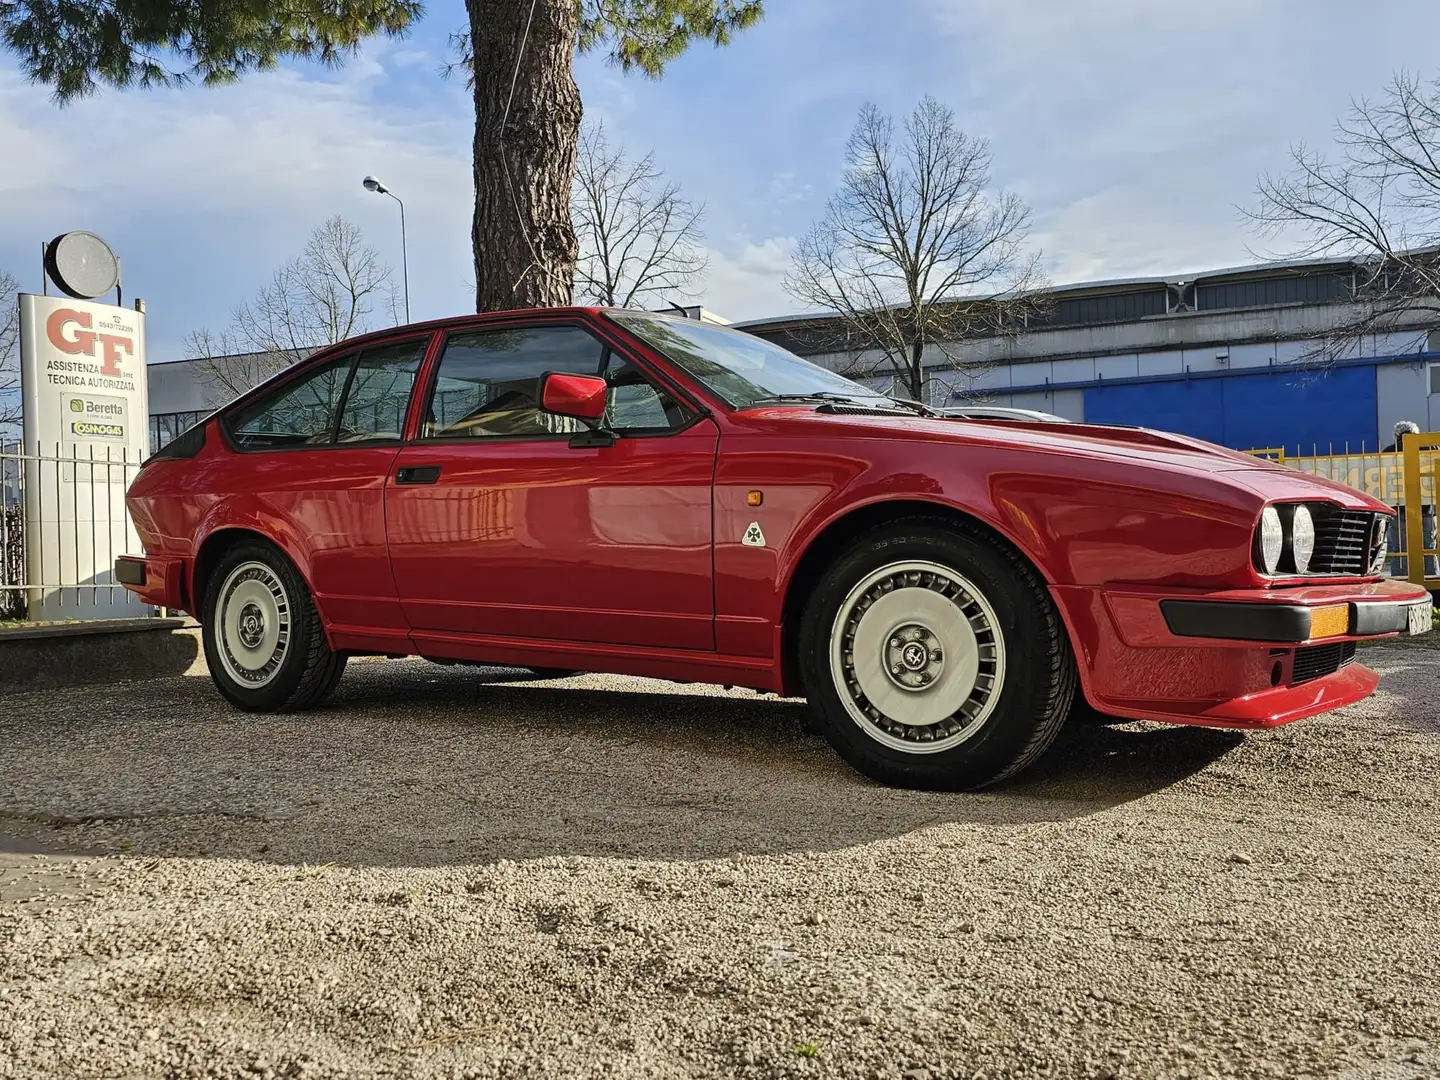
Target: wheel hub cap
{"points": [[913, 657], [252, 624], [917, 656]]}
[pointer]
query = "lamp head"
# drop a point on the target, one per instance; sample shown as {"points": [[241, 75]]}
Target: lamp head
{"points": [[373, 184]]}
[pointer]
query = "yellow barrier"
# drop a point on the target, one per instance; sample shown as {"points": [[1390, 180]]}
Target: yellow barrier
{"points": [[1420, 472]]}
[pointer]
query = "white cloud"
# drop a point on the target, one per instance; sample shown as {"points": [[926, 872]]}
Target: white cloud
{"points": [[745, 278], [204, 191]]}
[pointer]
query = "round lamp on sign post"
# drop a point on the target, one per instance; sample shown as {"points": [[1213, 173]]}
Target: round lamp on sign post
{"points": [[82, 265]]}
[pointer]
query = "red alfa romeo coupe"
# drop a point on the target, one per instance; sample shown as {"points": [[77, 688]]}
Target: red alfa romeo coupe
{"points": [[616, 491]]}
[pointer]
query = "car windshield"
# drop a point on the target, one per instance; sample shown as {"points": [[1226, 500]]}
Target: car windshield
{"points": [[741, 369]]}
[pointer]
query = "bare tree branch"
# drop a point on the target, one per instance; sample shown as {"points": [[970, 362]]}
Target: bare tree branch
{"points": [[1374, 205], [9, 355], [327, 293], [915, 254], [639, 240]]}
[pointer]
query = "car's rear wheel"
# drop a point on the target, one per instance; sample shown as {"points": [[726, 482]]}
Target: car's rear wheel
{"points": [[933, 657], [264, 643]]}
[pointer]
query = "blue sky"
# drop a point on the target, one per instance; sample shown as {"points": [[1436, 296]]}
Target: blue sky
{"points": [[1133, 128]]}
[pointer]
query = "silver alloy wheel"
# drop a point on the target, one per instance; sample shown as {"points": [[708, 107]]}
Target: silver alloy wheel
{"points": [[252, 624], [917, 657]]}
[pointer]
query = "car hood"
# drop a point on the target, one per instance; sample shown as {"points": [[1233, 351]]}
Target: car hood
{"points": [[1144, 448]]}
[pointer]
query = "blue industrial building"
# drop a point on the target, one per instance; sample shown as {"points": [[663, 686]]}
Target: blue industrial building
{"points": [[1223, 356]]}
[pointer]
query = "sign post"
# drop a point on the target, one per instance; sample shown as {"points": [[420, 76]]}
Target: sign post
{"points": [[86, 428]]}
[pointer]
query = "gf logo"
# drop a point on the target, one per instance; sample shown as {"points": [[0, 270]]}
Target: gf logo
{"points": [[82, 341]]}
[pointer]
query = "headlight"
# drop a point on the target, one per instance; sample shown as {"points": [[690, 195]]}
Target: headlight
{"points": [[1302, 538], [1272, 539]]}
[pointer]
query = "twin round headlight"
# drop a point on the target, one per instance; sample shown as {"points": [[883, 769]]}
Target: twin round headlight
{"points": [[1292, 534]]}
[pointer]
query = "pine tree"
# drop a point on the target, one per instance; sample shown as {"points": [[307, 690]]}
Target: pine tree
{"points": [[520, 56]]}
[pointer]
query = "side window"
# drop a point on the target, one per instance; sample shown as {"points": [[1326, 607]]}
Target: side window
{"points": [[488, 381], [635, 404], [302, 412], [380, 392]]}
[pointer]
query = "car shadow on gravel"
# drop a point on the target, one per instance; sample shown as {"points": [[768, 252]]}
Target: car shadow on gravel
{"points": [[415, 765]]}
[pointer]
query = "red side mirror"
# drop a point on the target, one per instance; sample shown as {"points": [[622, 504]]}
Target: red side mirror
{"points": [[580, 396]]}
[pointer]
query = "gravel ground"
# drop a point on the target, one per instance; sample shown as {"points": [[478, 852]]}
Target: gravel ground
{"points": [[454, 873]]}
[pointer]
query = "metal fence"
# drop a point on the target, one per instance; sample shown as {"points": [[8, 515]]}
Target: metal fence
{"points": [[65, 568]]}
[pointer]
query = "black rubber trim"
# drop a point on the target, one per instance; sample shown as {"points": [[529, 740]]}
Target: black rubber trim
{"points": [[1380, 618], [130, 571], [1236, 622]]}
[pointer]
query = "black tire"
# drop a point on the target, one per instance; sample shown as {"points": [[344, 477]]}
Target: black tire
{"points": [[1010, 716], [300, 675], [554, 673]]}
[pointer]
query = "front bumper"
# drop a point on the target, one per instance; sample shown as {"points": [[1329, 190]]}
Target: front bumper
{"points": [[1242, 658], [1237, 620]]}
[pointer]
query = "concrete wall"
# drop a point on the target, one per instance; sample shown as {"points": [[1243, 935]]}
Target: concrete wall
{"points": [[1401, 393]]}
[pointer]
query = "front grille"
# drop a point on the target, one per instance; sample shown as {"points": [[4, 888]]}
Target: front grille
{"points": [[1344, 542], [1317, 661]]}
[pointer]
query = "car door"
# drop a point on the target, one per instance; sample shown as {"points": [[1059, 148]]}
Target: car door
{"points": [[502, 523], [314, 455]]}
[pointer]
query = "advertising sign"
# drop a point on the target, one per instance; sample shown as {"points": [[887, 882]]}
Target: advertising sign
{"points": [[1381, 476], [86, 425]]}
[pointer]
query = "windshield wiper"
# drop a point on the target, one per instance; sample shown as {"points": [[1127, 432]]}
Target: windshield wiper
{"points": [[824, 396], [919, 409]]}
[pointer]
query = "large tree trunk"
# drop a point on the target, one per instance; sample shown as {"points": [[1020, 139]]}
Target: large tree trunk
{"points": [[524, 243]]}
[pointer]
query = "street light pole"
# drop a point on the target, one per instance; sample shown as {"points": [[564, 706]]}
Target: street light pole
{"points": [[372, 184]]}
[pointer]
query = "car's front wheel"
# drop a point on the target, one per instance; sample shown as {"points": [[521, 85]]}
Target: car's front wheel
{"points": [[933, 657], [264, 643]]}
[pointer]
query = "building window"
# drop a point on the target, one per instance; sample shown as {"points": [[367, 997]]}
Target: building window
{"points": [[164, 427], [1273, 292], [1098, 310], [1434, 372]]}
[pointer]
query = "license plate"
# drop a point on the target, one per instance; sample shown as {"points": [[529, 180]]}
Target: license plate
{"points": [[1422, 618]]}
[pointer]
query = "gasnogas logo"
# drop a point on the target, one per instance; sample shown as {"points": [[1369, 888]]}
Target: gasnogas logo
{"points": [[96, 417], [90, 430]]}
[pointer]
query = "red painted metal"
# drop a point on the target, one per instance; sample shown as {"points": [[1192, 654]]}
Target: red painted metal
{"points": [[629, 557], [580, 396]]}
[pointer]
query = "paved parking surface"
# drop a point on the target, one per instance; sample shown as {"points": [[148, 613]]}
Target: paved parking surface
{"points": [[458, 873]]}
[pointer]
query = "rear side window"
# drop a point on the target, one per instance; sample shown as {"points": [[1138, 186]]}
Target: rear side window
{"points": [[380, 392], [349, 399], [488, 381], [300, 413]]}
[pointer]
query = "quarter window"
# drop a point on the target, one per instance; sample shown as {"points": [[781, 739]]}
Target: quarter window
{"points": [[634, 404], [380, 392], [302, 412]]}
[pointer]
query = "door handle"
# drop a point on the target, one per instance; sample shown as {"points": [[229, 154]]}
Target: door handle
{"points": [[418, 474]]}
